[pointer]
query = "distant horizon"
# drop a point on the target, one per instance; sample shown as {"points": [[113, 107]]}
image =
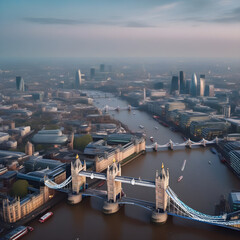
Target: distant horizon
{"points": [[126, 29]]}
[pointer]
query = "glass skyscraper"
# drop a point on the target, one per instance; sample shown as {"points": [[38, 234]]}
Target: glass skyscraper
{"points": [[78, 79], [193, 88], [20, 84], [182, 82]]}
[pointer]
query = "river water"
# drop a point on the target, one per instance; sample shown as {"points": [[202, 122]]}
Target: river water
{"points": [[200, 188]]}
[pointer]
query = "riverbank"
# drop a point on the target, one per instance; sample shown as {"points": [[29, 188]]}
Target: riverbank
{"points": [[59, 197]]}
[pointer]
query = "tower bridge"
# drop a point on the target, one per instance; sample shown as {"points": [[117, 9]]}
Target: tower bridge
{"points": [[166, 201], [188, 143]]}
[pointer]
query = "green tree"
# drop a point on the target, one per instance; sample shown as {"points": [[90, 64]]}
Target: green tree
{"points": [[20, 188], [80, 143]]}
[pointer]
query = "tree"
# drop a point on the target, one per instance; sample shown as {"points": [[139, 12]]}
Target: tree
{"points": [[81, 142], [20, 188]]}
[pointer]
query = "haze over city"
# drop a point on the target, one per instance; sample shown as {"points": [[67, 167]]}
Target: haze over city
{"points": [[141, 28]]}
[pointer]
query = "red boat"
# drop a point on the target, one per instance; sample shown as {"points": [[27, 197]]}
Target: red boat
{"points": [[45, 217], [18, 233], [101, 183], [180, 178]]}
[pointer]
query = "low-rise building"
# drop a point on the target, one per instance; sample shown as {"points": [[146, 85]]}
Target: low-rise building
{"points": [[187, 117], [4, 137], [21, 131], [234, 201], [50, 137], [18, 208], [235, 161], [117, 147]]}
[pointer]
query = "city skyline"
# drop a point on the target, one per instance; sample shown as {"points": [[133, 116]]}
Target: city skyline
{"points": [[127, 29]]}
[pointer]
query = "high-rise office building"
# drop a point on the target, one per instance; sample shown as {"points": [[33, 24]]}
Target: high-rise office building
{"points": [[209, 91], [102, 68], [20, 84], [175, 84], [193, 87], [92, 73], [182, 82], [78, 79], [227, 111], [188, 85], [201, 85]]}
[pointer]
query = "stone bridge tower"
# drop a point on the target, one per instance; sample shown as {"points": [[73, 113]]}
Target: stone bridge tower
{"points": [[78, 182], [161, 185], [114, 189]]}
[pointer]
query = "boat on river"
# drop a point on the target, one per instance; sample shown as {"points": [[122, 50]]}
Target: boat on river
{"points": [[151, 138], [18, 232], [183, 166], [213, 150], [141, 126], [180, 178], [45, 217]]}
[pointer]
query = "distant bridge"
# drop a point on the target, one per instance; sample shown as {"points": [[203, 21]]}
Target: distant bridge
{"points": [[118, 109], [188, 143]]}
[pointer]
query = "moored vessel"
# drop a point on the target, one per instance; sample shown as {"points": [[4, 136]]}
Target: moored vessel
{"points": [[18, 232], [45, 217]]}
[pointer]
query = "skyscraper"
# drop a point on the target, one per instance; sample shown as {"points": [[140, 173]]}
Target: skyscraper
{"points": [[92, 73], [209, 91], [20, 84], [175, 84], [182, 82], [78, 79], [193, 88], [201, 85], [188, 85], [102, 68]]}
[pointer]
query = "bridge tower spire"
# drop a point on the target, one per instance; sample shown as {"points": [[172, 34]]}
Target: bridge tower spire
{"points": [[78, 182], [159, 215], [114, 189]]}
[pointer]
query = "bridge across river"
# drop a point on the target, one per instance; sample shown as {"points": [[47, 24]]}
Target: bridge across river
{"points": [[188, 143], [167, 202]]}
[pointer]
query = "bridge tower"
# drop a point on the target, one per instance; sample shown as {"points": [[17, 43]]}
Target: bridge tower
{"points": [[155, 146], [159, 215], [189, 143], [170, 144], [204, 142], [114, 189], [78, 182]]}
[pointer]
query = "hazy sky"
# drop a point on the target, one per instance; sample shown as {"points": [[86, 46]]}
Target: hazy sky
{"points": [[126, 28]]}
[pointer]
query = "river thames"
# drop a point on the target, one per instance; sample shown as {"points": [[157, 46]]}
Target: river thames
{"points": [[201, 188]]}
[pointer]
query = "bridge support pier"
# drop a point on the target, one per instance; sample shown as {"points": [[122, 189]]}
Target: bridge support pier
{"points": [[74, 198], [110, 207], [159, 217]]}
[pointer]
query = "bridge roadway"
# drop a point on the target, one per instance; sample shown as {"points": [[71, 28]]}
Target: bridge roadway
{"points": [[123, 179], [102, 194], [176, 206]]}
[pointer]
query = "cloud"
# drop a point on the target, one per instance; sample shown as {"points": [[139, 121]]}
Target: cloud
{"points": [[60, 21], [53, 21], [231, 17]]}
